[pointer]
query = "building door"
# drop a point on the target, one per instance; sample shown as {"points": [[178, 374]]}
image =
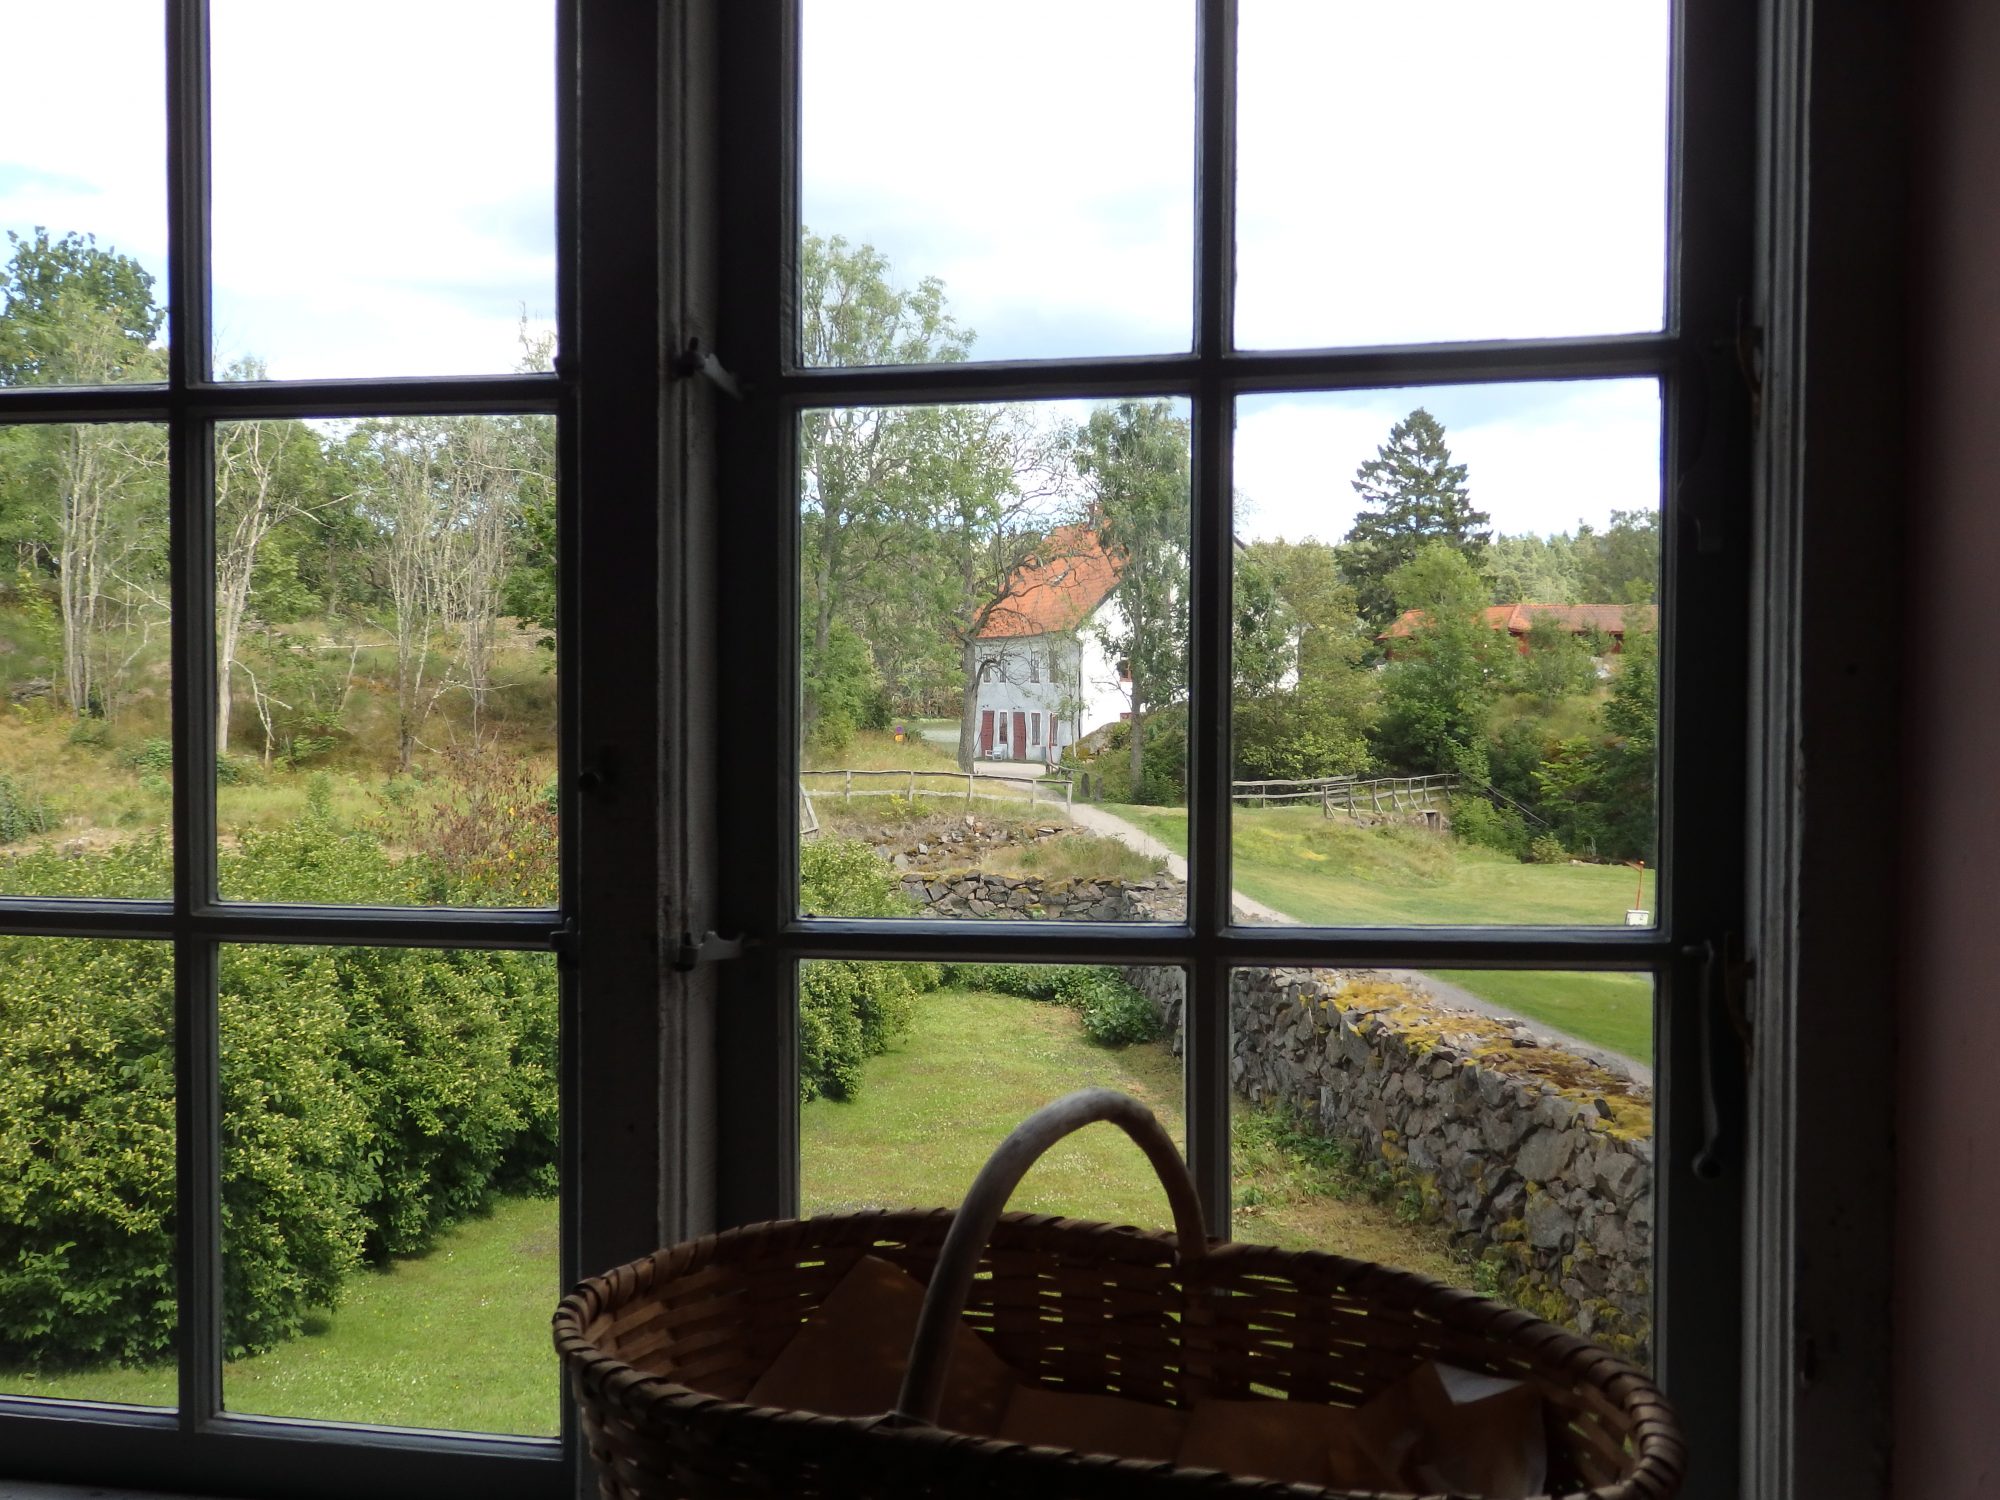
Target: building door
{"points": [[986, 734], [1020, 735]]}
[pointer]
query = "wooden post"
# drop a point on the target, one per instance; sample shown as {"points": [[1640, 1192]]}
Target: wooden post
{"points": [[847, 789], [1326, 802], [1069, 795], [968, 791], [913, 786]]}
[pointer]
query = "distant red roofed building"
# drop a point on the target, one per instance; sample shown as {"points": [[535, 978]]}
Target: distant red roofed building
{"points": [[1608, 620], [1045, 680]]}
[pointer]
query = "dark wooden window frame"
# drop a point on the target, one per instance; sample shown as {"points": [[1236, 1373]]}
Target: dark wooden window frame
{"points": [[1707, 526]]}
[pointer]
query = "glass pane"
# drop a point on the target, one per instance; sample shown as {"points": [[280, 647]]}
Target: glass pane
{"points": [[83, 194], [438, 257], [912, 1073], [87, 1306], [993, 640], [1493, 1130], [385, 632], [389, 1174], [86, 757], [1446, 684], [1450, 169], [995, 182]]}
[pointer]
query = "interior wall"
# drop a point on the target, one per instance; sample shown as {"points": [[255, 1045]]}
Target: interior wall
{"points": [[1947, 1312]]}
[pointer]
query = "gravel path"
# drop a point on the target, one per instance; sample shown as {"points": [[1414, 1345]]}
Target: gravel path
{"points": [[1098, 821]]}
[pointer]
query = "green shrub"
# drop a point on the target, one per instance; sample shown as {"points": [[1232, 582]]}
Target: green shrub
{"points": [[370, 1098], [1113, 1013], [22, 812], [1547, 849], [849, 1011], [1117, 1015], [155, 755], [1476, 821]]}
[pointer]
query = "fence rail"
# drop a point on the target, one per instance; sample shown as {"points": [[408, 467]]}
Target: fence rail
{"points": [[1035, 792], [1349, 794]]}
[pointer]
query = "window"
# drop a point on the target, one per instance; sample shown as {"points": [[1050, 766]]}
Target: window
{"points": [[1275, 333], [301, 503]]}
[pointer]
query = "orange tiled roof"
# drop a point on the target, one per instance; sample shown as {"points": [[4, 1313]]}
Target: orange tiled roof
{"points": [[1057, 595], [1519, 619]]}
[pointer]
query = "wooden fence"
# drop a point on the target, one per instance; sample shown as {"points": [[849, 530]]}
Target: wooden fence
{"points": [[847, 785], [1382, 795]]}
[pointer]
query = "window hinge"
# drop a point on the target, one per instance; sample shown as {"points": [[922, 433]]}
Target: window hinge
{"points": [[697, 359], [567, 941], [709, 948]]}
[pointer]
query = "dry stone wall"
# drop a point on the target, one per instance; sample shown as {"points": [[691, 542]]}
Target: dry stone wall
{"points": [[1540, 1162]]}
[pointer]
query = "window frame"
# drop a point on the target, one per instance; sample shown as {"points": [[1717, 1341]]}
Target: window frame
{"points": [[1706, 524], [611, 875]]}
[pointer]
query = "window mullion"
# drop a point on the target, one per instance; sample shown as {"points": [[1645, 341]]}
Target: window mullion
{"points": [[190, 538]]}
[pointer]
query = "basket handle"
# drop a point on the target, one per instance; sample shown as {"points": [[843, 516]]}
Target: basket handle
{"points": [[951, 1279]]}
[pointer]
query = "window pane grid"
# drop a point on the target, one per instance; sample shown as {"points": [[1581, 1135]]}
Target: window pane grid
{"points": [[1209, 945], [194, 921]]}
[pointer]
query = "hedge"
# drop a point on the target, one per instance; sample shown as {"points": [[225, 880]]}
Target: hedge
{"points": [[370, 1098]]}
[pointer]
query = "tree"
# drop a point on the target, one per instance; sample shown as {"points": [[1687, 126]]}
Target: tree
{"points": [[442, 500], [1622, 563], [1438, 692], [1412, 494], [266, 473], [1133, 457], [1534, 570], [869, 474], [72, 314], [1600, 791], [1303, 700], [92, 496]]}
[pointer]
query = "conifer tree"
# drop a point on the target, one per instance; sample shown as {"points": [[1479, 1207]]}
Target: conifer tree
{"points": [[1412, 493]]}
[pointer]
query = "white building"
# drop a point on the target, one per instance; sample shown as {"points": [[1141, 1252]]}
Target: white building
{"points": [[1045, 679]]}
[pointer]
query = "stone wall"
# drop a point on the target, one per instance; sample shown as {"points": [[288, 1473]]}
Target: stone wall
{"points": [[1541, 1163], [973, 893]]}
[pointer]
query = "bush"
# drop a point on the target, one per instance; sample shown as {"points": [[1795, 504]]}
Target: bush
{"points": [[370, 1098], [1547, 849], [849, 1011], [22, 812], [1476, 821], [1113, 1013]]}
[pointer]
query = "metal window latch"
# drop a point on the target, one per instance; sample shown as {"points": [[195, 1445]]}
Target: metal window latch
{"points": [[1725, 981], [697, 359], [709, 948]]}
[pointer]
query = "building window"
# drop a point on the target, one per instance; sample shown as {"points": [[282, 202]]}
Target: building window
{"points": [[308, 504], [1216, 643]]}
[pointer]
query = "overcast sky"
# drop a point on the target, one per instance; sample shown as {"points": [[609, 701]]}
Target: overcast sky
{"points": [[1408, 170]]}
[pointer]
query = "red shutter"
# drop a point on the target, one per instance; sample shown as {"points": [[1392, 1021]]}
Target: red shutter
{"points": [[986, 734]]}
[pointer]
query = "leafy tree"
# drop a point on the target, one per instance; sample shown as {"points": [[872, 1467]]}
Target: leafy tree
{"points": [[1622, 563], [1438, 691], [1556, 665], [86, 501], [1412, 494], [1600, 791], [1304, 701], [74, 314], [1133, 457], [1534, 570]]}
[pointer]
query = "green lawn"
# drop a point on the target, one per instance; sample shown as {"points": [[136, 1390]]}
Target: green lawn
{"points": [[1335, 873], [975, 1064], [456, 1339]]}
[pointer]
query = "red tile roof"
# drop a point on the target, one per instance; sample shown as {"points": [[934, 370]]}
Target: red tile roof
{"points": [[1519, 619], [1057, 595]]}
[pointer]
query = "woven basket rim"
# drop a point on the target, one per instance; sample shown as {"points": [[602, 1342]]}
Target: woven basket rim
{"points": [[655, 1401]]}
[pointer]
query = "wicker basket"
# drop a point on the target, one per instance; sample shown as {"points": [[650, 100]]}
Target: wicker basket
{"points": [[661, 1351]]}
